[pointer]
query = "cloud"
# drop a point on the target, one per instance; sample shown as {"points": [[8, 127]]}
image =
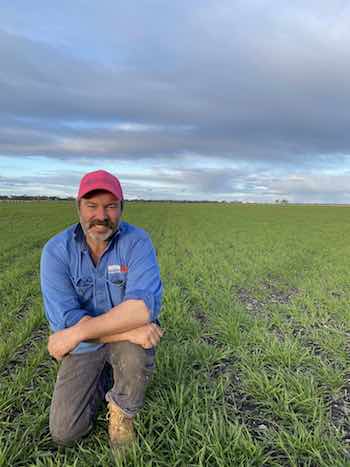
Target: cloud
{"points": [[189, 184], [279, 96], [236, 83], [314, 188]]}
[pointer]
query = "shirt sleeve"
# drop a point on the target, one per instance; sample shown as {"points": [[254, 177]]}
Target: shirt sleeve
{"points": [[61, 304], [143, 279]]}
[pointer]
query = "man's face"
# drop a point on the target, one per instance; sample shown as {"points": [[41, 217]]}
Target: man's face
{"points": [[99, 216]]}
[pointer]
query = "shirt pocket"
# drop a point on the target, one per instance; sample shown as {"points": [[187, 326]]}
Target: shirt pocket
{"points": [[117, 283], [84, 287]]}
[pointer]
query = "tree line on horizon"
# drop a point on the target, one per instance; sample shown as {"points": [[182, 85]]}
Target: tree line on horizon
{"points": [[71, 198]]}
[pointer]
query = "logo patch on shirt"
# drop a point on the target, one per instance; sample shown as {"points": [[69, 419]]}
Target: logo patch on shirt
{"points": [[112, 268]]}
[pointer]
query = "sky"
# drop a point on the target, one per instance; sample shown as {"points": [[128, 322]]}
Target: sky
{"points": [[188, 100]]}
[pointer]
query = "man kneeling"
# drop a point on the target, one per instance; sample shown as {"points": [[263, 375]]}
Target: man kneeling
{"points": [[102, 294]]}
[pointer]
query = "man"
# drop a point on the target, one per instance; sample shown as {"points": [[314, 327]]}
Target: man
{"points": [[102, 295]]}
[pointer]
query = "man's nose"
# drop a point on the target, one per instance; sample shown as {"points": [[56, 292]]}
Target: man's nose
{"points": [[101, 214]]}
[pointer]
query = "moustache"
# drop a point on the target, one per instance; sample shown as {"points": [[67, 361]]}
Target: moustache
{"points": [[105, 223]]}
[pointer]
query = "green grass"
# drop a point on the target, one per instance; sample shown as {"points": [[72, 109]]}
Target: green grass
{"points": [[253, 369]]}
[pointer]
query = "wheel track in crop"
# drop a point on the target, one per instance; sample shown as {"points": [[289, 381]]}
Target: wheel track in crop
{"points": [[19, 358], [21, 332], [239, 404], [21, 378], [24, 402]]}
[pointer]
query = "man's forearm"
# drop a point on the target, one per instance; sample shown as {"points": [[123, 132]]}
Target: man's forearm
{"points": [[118, 337], [120, 319], [128, 321], [146, 336]]}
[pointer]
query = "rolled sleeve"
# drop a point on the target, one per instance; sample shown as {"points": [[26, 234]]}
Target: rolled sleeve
{"points": [[143, 280], [61, 304]]}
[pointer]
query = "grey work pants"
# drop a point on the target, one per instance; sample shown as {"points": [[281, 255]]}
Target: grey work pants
{"points": [[117, 372]]}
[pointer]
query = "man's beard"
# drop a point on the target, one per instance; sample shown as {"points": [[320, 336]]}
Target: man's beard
{"points": [[96, 236]]}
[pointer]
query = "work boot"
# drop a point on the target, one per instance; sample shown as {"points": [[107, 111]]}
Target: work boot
{"points": [[120, 427]]}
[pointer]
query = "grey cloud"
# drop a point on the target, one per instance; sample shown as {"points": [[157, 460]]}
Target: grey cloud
{"points": [[64, 184], [250, 82], [244, 81], [314, 188], [186, 183], [204, 181], [229, 184]]}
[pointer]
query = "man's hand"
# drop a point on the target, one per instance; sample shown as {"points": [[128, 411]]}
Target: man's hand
{"points": [[147, 336], [62, 342]]}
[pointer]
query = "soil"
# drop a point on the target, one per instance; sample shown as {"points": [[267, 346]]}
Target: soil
{"points": [[272, 294], [19, 358]]}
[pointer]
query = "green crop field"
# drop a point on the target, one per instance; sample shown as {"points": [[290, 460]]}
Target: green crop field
{"points": [[253, 369]]}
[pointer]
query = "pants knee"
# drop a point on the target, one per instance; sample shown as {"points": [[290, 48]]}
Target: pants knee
{"points": [[64, 432], [128, 358], [63, 437], [132, 368]]}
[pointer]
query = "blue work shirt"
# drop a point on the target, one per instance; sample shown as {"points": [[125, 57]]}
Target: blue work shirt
{"points": [[73, 286]]}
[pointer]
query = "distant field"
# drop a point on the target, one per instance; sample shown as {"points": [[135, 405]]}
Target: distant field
{"points": [[254, 367]]}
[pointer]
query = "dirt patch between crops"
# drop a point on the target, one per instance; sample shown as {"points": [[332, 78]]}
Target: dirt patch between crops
{"points": [[25, 307], [313, 341], [245, 409], [340, 410], [315, 348], [200, 316], [208, 338], [22, 402], [224, 366], [271, 294], [21, 311], [212, 340], [19, 358], [239, 405], [339, 407]]}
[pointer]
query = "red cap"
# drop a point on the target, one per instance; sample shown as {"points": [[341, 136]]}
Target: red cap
{"points": [[100, 180]]}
